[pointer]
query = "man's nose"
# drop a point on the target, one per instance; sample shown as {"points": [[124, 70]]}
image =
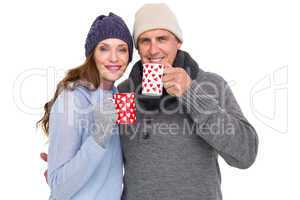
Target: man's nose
{"points": [[153, 48]]}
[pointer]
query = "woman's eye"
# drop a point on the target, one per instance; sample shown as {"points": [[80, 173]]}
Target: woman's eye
{"points": [[123, 50], [103, 49]]}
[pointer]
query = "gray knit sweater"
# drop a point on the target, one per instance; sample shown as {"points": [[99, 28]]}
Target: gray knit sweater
{"points": [[170, 156]]}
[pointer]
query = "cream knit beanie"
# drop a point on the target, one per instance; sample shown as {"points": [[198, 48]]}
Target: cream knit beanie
{"points": [[155, 16]]}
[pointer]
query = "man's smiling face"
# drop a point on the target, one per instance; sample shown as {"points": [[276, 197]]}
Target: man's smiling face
{"points": [[158, 46]]}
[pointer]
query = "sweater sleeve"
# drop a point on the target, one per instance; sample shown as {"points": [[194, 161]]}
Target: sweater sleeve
{"points": [[220, 121], [70, 162]]}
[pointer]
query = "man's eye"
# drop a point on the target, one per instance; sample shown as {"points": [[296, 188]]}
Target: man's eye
{"points": [[144, 41], [161, 39]]}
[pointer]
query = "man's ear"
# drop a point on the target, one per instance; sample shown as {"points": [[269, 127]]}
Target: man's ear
{"points": [[178, 45], [138, 50], [137, 47]]}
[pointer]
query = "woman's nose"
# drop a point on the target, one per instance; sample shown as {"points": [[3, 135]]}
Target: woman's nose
{"points": [[113, 56]]}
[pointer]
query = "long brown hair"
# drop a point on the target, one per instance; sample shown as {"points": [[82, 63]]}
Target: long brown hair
{"points": [[87, 72]]}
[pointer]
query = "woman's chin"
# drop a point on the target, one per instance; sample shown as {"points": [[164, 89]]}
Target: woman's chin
{"points": [[113, 76]]}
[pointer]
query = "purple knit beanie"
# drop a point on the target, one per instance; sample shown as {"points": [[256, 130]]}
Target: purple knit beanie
{"points": [[104, 27]]}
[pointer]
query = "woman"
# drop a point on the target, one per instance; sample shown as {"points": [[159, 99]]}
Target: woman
{"points": [[84, 156]]}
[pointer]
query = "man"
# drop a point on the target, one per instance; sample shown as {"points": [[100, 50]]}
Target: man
{"points": [[172, 150], [171, 153]]}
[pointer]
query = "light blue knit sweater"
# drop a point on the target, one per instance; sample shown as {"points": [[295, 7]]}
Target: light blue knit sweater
{"points": [[79, 168]]}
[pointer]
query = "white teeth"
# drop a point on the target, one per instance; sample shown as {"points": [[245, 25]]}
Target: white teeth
{"points": [[155, 59], [113, 68]]}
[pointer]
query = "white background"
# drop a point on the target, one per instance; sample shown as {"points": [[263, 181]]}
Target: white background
{"points": [[254, 45]]}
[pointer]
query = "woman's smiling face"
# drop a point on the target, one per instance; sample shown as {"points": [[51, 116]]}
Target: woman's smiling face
{"points": [[111, 58]]}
